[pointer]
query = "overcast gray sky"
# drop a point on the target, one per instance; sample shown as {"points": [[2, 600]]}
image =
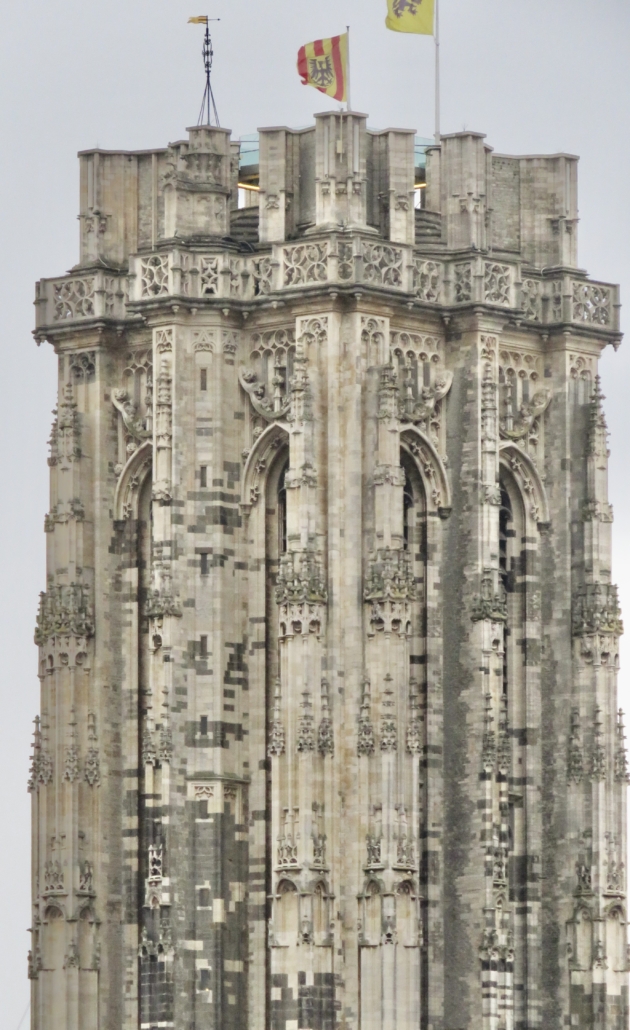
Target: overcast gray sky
{"points": [[536, 77]]}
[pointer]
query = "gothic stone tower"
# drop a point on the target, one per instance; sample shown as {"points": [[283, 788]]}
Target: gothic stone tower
{"points": [[328, 651]]}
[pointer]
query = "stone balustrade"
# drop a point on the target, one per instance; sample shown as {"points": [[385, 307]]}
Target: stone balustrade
{"points": [[555, 297]]}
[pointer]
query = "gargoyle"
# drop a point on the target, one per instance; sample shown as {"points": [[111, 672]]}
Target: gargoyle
{"points": [[420, 409], [271, 408], [133, 424], [515, 427]]}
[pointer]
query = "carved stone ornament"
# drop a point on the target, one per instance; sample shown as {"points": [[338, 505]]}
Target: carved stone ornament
{"points": [[599, 956], [365, 738], [405, 855], [325, 738], [527, 484], [621, 754], [72, 956], [504, 750], [390, 933], [489, 743], [427, 280], [325, 733], [287, 841], [516, 426], [319, 850], [53, 878], [390, 577], [63, 512], [41, 771], [414, 738], [272, 407], [420, 409], [366, 744], [392, 475], [149, 750], [277, 736], [164, 407], [268, 378], [500, 866], [160, 604], [287, 855], [490, 603], [596, 610], [165, 749], [86, 879], [65, 436], [306, 728], [389, 735], [163, 340], [304, 476], [135, 426], [584, 879], [92, 768], [305, 263], [598, 751], [301, 579], [64, 610], [35, 964], [373, 850], [615, 869], [382, 264], [388, 395], [71, 770], [575, 763], [432, 474], [162, 491]]}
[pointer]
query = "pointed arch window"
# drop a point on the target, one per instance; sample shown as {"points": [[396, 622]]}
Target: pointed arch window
{"points": [[282, 510], [408, 504]]}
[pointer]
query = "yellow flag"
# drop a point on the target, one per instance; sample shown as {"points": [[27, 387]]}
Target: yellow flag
{"points": [[411, 16], [200, 19]]}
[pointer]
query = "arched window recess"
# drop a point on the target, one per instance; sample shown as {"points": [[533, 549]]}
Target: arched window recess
{"points": [[131, 481], [431, 468], [530, 485], [259, 461]]}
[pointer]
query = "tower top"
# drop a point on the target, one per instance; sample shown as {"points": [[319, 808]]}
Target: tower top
{"points": [[496, 229]]}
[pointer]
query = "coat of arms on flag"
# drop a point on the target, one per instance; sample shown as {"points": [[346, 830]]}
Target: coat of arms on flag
{"points": [[323, 64], [411, 16]]}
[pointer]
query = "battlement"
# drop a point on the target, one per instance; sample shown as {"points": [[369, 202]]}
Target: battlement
{"points": [[337, 174], [336, 204]]}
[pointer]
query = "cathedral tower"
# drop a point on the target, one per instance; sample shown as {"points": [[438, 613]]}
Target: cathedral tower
{"points": [[329, 734]]}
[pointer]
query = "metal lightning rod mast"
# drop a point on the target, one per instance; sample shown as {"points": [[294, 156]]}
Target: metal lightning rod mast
{"points": [[207, 104]]}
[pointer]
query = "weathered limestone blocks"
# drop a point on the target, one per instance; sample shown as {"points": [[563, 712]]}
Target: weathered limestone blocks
{"points": [[329, 733]]}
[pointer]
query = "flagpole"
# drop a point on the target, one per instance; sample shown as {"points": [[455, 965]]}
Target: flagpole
{"points": [[437, 71], [348, 104]]}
